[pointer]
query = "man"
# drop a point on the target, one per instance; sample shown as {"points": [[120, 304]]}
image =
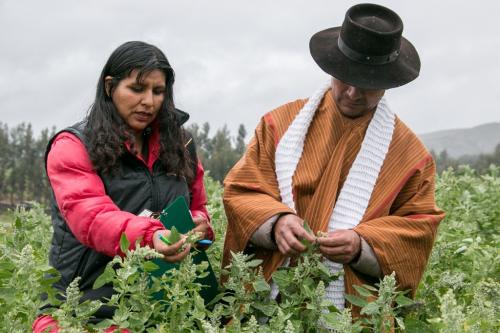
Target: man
{"points": [[343, 162]]}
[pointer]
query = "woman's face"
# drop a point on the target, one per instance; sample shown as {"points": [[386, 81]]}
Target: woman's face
{"points": [[138, 103]]}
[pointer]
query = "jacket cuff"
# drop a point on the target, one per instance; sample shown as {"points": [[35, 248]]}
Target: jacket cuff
{"points": [[210, 234], [262, 237], [196, 212], [367, 262], [148, 234]]}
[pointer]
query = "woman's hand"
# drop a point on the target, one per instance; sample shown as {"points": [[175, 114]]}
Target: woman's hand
{"points": [[170, 252], [202, 226], [341, 246]]}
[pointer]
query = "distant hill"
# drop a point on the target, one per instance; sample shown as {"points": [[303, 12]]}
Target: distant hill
{"points": [[466, 141]]}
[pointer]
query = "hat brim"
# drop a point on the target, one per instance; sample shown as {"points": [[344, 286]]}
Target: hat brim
{"points": [[325, 51]]}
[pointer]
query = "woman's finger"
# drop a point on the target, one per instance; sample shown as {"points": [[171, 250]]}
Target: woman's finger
{"points": [[178, 256], [199, 220], [170, 249]]}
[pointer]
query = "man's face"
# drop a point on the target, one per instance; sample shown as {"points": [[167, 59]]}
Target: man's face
{"points": [[355, 102]]}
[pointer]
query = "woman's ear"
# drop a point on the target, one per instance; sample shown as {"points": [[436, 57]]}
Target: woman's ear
{"points": [[107, 85]]}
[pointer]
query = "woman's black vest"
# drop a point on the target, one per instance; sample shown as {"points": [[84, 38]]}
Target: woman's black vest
{"points": [[133, 189]]}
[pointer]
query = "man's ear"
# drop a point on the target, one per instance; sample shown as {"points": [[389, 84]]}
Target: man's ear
{"points": [[107, 85]]}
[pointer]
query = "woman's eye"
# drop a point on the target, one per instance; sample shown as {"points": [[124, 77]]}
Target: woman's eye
{"points": [[136, 88], [159, 91]]}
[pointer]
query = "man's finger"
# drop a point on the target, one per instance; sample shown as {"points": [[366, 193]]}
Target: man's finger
{"points": [[301, 233], [285, 248], [333, 240], [296, 245], [333, 251], [292, 241], [328, 241], [282, 246]]}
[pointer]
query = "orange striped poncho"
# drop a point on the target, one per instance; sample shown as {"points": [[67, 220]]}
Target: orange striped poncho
{"points": [[401, 219]]}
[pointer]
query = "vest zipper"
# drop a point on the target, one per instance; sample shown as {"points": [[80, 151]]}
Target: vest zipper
{"points": [[155, 206]]}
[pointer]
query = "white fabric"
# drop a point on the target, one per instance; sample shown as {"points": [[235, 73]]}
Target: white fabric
{"points": [[358, 186], [289, 149], [356, 192]]}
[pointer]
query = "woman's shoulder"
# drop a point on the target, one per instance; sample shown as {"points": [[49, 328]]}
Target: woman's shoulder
{"points": [[65, 142], [67, 149]]}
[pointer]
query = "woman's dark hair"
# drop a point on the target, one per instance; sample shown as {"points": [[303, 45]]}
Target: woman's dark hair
{"points": [[105, 129]]}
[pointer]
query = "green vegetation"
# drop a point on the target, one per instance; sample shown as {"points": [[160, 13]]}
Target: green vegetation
{"points": [[22, 159], [459, 291], [480, 162]]}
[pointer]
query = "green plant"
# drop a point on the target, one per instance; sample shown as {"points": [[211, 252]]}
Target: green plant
{"points": [[385, 310], [460, 290]]}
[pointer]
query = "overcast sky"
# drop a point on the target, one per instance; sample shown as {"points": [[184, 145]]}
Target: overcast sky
{"points": [[236, 60]]}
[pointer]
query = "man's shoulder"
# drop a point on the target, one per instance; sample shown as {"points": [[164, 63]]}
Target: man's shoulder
{"points": [[281, 117], [404, 136], [286, 111]]}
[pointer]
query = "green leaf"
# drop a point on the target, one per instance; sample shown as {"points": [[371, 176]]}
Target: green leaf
{"points": [[8, 294], [261, 285], [282, 278], [308, 228], [7, 266], [413, 325], [103, 324], [461, 249], [87, 308], [105, 277], [362, 291], [150, 266], [5, 274], [267, 309], [400, 322], [372, 288], [305, 242], [311, 306], [370, 309], [124, 243], [403, 300], [174, 235], [229, 299], [254, 263], [355, 300]]}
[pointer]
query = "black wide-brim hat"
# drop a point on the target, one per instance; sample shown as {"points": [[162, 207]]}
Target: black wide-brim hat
{"points": [[368, 51]]}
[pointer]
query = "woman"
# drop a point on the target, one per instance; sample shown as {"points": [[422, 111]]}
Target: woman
{"points": [[130, 154]]}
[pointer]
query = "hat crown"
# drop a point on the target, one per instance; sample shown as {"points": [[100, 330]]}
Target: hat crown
{"points": [[372, 30], [368, 51]]}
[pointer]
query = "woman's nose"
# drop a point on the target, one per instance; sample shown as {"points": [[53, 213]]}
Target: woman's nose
{"points": [[147, 98]]}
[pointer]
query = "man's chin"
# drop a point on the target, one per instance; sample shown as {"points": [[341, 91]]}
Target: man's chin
{"points": [[351, 113]]}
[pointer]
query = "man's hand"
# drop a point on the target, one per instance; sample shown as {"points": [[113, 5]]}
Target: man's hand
{"points": [[288, 231], [341, 246], [170, 252]]}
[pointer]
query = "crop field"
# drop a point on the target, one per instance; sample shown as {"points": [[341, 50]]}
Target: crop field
{"points": [[460, 290]]}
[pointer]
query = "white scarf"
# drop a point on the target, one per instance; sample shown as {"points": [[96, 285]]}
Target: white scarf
{"points": [[356, 192]]}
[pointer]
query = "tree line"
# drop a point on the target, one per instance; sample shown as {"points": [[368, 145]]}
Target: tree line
{"points": [[480, 163], [22, 159], [22, 169]]}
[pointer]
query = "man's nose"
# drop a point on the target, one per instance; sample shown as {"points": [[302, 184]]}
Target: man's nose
{"points": [[353, 92]]}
